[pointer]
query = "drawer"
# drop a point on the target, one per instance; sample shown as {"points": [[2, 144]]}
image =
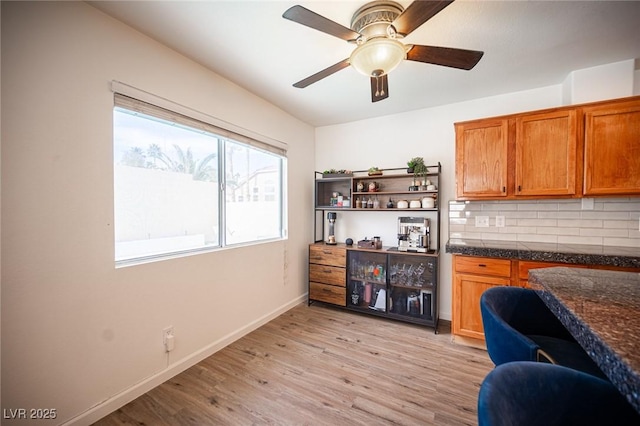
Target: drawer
{"points": [[327, 274], [328, 293], [328, 255], [483, 266]]}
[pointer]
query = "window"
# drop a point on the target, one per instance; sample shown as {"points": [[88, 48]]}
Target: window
{"points": [[182, 185]]}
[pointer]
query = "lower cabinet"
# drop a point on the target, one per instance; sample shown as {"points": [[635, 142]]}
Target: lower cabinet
{"points": [[472, 276], [391, 284], [327, 277]]}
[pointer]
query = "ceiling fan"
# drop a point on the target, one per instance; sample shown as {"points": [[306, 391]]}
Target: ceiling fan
{"points": [[376, 29]]}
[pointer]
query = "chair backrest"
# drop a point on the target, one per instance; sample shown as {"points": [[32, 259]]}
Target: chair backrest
{"points": [[533, 394], [501, 308]]}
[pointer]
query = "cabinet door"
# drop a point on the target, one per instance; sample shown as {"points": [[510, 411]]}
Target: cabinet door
{"points": [[481, 158], [612, 149], [367, 281], [546, 154], [412, 286], [467, 289]]}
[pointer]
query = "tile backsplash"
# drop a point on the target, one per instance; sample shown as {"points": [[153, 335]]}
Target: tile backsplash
{"points": [[597, 221]]}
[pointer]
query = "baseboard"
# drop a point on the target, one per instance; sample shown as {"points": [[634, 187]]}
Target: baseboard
{"points": [[108, 406], [469, 341]]}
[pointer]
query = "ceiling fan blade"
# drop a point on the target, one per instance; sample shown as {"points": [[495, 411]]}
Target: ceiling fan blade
{"points": [[379, 88], [446, 56], [322, 74], [311, 19], [416, 14]]}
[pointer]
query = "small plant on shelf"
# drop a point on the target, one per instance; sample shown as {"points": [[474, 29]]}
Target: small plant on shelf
{"points": [[374, 171], [336, 173], [420, 172]]}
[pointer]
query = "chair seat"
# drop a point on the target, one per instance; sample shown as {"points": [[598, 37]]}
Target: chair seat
{"points": [[568, 354]]}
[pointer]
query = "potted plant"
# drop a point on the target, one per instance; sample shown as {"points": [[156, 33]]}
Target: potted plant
{"points": [[415, 161], [374, 171], [419, 173], [331, 173]]}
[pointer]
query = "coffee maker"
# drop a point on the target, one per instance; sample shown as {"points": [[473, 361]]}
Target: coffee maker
{"points": [[413, 234]]}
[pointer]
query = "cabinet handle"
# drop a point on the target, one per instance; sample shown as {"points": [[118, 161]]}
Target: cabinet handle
{"points": [[482, 265], [327, 271], [519, 188], [504, 189]]}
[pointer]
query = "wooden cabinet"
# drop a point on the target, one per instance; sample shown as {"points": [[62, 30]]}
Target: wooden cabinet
{"points": [[327, 273], [581, 150], [392, 284], [521, 156], [481, 158], [612, 148], [471, 277], [546, 151], [387, 283]]}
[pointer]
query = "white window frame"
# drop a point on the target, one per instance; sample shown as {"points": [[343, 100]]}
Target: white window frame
{"points": [[133, 99]]}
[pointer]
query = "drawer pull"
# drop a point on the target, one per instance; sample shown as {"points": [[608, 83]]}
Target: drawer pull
{"points": [[482, 265], [327, 271], [326, 251]]}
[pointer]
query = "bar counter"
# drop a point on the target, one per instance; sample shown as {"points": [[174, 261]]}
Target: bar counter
{"points": [[601, 309]]}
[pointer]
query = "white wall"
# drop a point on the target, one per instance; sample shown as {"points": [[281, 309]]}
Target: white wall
{"points": [[389, 142], [78, 333]]}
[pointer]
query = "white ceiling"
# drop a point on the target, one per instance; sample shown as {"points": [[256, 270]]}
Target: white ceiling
{"points": [[527, 44]]}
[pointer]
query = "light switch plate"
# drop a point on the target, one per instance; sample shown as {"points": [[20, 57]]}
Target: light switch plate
{"points": [[482, 221]]}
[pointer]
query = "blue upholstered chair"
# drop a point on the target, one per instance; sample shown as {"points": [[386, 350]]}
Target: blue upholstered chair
{"points": [[539, 394], [518, 326]]}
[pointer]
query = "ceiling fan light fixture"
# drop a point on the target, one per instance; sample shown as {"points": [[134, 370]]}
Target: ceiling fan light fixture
{"points": [[376, 55]]}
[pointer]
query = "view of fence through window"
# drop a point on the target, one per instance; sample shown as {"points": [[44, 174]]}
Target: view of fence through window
{"points": [[167, 183]]}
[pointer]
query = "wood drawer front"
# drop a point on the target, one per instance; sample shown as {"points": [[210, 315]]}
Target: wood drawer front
{"points": [[483, 266], [327, 274], [328, 293], [328, 255]]}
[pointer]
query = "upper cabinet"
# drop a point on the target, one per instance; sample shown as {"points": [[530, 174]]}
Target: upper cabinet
{"points": [[481, 158], [546, 151], [612, 149], [567, 152]]}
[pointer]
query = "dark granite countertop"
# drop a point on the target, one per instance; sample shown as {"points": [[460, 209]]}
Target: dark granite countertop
{"points": [[601, 309], [628, 257]]}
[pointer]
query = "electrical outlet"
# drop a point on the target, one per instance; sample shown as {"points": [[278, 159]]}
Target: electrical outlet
{"points": [[166, 333], [482, 221], [587, 203], [499, 221]]}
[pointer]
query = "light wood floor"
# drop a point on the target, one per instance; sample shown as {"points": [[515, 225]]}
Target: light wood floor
{"points": [[320, 366]]}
